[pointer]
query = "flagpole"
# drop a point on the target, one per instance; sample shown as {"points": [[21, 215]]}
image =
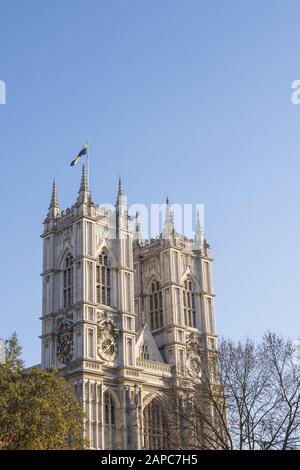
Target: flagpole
{"points": [[88, 164]]}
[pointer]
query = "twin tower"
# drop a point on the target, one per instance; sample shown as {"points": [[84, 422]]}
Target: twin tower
{"points": [[124, 319]]}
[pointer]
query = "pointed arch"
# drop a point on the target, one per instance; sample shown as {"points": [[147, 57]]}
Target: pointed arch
{"points": [[110, 415], [65, 252], [189, 275], [189, 302], [155, 423], [68, 280], [153, 278], [144, 342], [103, 247], [155, 304], [153, 396], [103, 279], [114, 395]]}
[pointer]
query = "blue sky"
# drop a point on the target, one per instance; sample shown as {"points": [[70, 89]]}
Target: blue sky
{"points": [[186, 98]]}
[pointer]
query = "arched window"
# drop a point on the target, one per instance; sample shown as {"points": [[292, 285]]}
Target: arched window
{"points": [[156, 436], [103, 280], [68, 281], [145, 352], [156, 306], [109, 421], [189, 306]]}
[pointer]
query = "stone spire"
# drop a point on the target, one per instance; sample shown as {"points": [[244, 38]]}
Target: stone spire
{"points": [[168, 228], [54, 200], [121, 198], [199, 232], [84, 193], [121, 207], [120, 188], [83, 183], [54, 210]]}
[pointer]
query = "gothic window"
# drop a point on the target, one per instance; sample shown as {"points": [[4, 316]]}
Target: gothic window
{"points": [[109, 421], [68, 281], [189, 306], [145, 352], [156, 306], [103, 280], [155, 427]]}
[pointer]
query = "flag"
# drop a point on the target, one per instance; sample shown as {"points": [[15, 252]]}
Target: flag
{"points": [[83, 151]]}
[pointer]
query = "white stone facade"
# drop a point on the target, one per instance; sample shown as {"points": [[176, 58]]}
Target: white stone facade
{"points": [[120, 315]]}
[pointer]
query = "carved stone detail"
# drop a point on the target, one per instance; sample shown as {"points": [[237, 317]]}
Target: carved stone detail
{"points": [[64, 348]]}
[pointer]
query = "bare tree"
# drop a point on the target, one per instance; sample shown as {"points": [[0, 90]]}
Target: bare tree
{"points": [[248, 397]]}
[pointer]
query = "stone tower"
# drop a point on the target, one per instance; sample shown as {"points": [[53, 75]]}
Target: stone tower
{"points": [[121, 316]]}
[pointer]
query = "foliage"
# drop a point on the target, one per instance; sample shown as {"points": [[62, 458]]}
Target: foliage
{"points": [[38, 409]]}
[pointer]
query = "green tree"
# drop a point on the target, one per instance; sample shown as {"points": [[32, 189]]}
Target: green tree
{"points": [[38, 409], [13, 353]]}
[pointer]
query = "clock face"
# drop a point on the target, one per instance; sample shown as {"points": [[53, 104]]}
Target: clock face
{"points": [[65, 348], [64, 351], [107, 347]]}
